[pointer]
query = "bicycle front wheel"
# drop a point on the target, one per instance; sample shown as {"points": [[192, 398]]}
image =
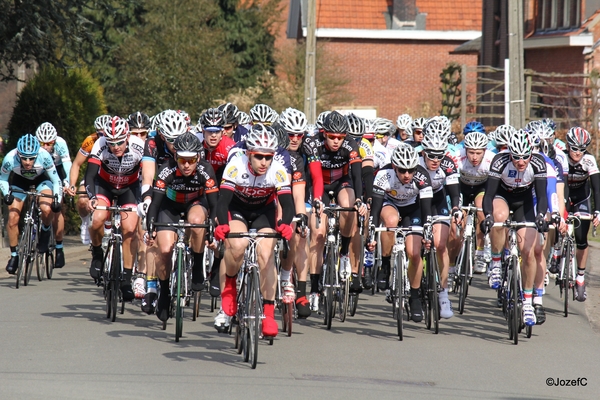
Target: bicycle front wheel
{"points": [[254, 316], [434, 303], [343, 298], [178, 296], [463, 279], [398, 293], [24, 248], [115, 271], [567, 275], [514, 301], [329, 275], [39, 266]]}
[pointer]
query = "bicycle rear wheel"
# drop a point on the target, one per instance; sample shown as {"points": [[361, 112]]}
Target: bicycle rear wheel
{"points": [[178, 296], [463, 279], [254, 316], [514, 302], [197, 299], [24, 249], [433, 288], [40, 268], [115, 273]]}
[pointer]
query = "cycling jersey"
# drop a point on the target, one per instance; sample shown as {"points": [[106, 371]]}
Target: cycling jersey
{"points": [[43, 170], [365, 149], [382, 156], [177, 188], [87, 144], [245, 190], [117, 172], [559, 144], [474, 175], [156, 150], [579, 172], [392, 144], [281, 155], [218, 156], [388, 187], [446, 174], [327, 167], [61, 158], [240, 133], [297, 163]]}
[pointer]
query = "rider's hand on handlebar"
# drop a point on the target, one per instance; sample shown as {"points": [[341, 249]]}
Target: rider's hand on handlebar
{"points": [[540, 223], [221, 231], [70, 190], [317, 204], [596, 218], [92, 204], [361, 207], [8, 199], [457, 215], [487, 224], [142, 208]]}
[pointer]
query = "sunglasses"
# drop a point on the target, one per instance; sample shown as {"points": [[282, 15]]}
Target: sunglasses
{"points": [[116, 144], [169, 140], [434, 157], [293, 135], [520, 157], [333, 136], [48, 143], [189, 160], [28, 158], [576, 149], [228, 127], [405, 171], [261, 157]]}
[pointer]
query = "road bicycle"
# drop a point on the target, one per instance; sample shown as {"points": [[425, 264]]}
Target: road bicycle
{"points": [[249, 316], [180, 283], [466, 256], [112, 272], [28, 242]]}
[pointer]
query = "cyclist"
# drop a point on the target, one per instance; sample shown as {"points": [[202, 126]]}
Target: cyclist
{"points": [[417, 126], [157, 150], [584, 180], [404, 132], [28, 165], [57, 147], [263, 114], [113, 172], [81, 157], [474, 166], [514, 174], [444, 177], [402, 197], [502, 136], [244, 119], [290, 130], [179, 188], [335, 165], [247, 201], [231, 127]]}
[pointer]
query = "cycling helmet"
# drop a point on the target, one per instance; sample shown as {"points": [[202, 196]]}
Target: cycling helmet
{"points": [[263, 113], [335, 123], [405, 156], [321, 118], [384, 127], [519, 143], [283, 139], [28, 146], [155, 121], [188, 120], [46, 133], [101, 121], [187, 145], [453, 139], [116, 129], [437, 128], [434, 142], [578, 137], [356, 126], [243, 118], [475, 140], [311, 129], [138, 120], [404, 121], [172, 125], [550, 123], [473, 126], [418, 123], [371, 126], [541, 130], [548, 148], [293, 120], [261, 139], [212, 119], [502, 134], [229, 111]]}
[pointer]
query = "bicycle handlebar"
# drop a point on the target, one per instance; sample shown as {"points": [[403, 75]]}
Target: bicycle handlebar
{"points": [[33, 193], [116, 208], [261, 235], [184, 225]]}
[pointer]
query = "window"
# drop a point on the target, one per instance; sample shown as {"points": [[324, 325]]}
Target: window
{"points": [[557, 14]]}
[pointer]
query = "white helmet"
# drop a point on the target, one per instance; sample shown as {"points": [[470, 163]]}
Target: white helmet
{"points": [[101, 121], [541, 129], [519, 143], [293, 120], [405, 156], [371, 125], [436, 128], [384, 127], [263, 113], [404, 121], [46, 133], [243, 118], [172, 125], [116, 129], [260, 138], [443, 126], [356, 125], [476, 140], [418, 123], [503, 133], [321, 118]]}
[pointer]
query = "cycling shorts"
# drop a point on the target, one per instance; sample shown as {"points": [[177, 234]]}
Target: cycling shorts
{"points": [[259, 219], [171, 211], [439, 206], [127, 197], [336, 187], [469, 193], [40, 182], [410, 217], [521, 204]]}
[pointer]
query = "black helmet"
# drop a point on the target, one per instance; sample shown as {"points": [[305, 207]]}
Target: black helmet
{"points": [[229, 111], [283, 140], [335, 123], [213, 117], [138, 120], [187, 145]]}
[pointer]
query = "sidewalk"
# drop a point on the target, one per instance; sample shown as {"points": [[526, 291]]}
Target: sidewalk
{"points": [[75, 251]]}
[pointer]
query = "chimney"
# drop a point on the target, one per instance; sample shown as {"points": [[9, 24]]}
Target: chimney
{"points": [[404, 10]]}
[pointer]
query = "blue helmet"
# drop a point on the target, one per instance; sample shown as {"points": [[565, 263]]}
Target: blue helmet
{"points": [[28, 146], [474, 126]]}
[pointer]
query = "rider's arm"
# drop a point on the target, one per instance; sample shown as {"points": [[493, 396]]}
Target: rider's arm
{"points": [[309, 148], [540, 187], [378, 197], [225, 196], [367, 178], [148, 173], [595, 181], [356, 172], [90, 179], [491, 188], [299, 193], [48, 164], [454, 193], [284, 197], [7, 167], [157, 198], [63, 152], [75, 167]]}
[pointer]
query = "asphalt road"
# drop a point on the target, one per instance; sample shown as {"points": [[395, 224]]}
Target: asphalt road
{"points": [[58, 344]]}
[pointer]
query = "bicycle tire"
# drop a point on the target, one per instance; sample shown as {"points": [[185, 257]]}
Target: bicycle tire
{"points": [[197, 300], [106, 279], [353, 304], [433, 287], [24, 244], [568, 272], [398, 294], [463, 279], [514, 294], [114, 279], [178, 311], [344, 299], [40, 268], [255, 317], [213, 303], [288, 317], [328, 288]]}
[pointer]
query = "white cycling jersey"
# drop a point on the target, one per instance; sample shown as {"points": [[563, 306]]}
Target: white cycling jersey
{"points": [[387, 184], [122, 171], [510, 178], [474, 175], [446, 174], [580, 172]]}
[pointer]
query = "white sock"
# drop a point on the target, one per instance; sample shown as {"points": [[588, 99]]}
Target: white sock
{"points": [[285, 275]]}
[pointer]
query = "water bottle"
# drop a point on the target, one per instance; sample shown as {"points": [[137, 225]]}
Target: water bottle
{"points": [[369, 259], [107, 227], [487, 249], [555, 257]]}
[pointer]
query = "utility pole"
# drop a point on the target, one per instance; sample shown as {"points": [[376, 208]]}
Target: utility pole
{"points": [[516, 64], [310, 88]]}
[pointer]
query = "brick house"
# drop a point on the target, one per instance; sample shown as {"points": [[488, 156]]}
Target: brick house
{"points": [[392, 51]]}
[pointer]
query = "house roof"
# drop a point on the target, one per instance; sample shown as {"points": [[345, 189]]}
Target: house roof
{"points": [[442, 15]]}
